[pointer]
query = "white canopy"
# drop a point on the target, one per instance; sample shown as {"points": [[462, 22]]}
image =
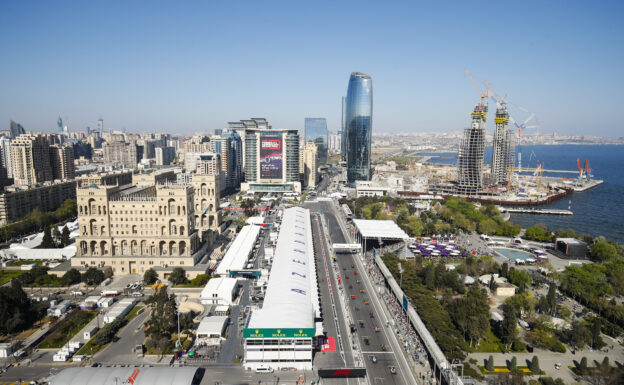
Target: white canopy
{"points": [[236, 256], [291, 299], [379, 229]]}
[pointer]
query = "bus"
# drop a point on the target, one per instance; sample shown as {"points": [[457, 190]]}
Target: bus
{"points": [[347, 211]]}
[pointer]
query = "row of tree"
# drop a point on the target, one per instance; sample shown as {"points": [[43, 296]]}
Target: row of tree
{"points": [[53, 238], [37, 220], [17, 311]]}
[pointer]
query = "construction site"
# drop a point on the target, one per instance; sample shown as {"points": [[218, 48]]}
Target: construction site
{"points": [[504, 182]]}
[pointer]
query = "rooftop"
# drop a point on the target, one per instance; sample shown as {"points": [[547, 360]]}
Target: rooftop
{"points": [[380, 229], [292, 290]]}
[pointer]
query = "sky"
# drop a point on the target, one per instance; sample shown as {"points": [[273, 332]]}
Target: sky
{"points": [[185, 67]]}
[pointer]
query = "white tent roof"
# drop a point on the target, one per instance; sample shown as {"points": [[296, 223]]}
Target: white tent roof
{"points": [[212, 325], [222, 286], [379, 229], [141, 376], [236, 256], [291, 299]]}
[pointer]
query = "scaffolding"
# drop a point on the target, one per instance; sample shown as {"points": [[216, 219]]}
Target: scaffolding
{"points": [[503, 147], [470, 157]]}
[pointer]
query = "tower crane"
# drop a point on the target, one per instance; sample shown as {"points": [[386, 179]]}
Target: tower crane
{"points": [[483, 94]]}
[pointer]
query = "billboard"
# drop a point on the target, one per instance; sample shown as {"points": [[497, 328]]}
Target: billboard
{"points": [[279, 333], [271, 155]]}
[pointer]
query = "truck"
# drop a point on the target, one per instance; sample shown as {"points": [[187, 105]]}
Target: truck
{"points": [[109, 292]]}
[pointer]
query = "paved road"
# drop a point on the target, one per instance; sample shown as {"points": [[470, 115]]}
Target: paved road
{"points": [[121, 351], [378, 373], [334, 322]]}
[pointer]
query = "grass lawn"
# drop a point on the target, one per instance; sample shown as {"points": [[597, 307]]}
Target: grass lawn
{"points": [[8, 275], [490, 344], [133, 313], [67, 328], [26, 262]]}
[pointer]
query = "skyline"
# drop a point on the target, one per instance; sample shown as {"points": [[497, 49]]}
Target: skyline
{"points": [[194, 67]]}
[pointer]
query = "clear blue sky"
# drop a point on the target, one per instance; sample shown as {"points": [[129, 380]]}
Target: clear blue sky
{"points": [[185, 67]]}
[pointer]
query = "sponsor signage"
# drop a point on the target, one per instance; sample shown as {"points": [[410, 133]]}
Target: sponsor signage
{"points": [[279, 333], [271, 155]]}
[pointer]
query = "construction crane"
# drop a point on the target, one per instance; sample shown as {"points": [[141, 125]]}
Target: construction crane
{"points": [[585, 171], [501, 102], [485, 94]]}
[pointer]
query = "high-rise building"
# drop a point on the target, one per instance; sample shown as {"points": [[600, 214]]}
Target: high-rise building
{"points": [[359, 127], [16, 129], [316, 131], [334, 143], [100, 125], [30, 159], [240, 127], [5, 152], [62, 161], [343, 130], [470, 157], [235, 171], [208, 164], [271, 160], [310, 165], [18, 200], [164, 155], [127, 154], [503, 148]]}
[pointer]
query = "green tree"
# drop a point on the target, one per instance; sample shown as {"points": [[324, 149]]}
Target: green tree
{"points": [[489, 365], [93, 276], [508, 325], [551, 298], [487, 226], [603, 251], [150, 276], [178, 276], [604, 365], [471, 314], [72, 276], [504, 269], [513, 364], [65, 240], [534, 365], [596, 340], [163, 320], [583, 365], [47, 242]]}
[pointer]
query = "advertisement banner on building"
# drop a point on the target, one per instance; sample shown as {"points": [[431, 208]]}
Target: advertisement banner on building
{"points": [[278, 333], [271, 155]]}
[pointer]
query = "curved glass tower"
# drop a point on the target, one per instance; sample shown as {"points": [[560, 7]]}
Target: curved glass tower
{"points": [[359, 126]]}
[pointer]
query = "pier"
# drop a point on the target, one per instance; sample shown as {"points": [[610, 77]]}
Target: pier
{"points": [[536, 211]]}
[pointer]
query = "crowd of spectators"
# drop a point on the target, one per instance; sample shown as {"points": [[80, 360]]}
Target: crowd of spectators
{"points": [[405, 329]]}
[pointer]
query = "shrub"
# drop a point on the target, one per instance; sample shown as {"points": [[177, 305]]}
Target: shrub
{"points": [[513, 364], [518, 347], [489, 365]]}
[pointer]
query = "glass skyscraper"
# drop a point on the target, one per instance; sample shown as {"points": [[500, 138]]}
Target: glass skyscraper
{"points": [[359, 126], [316, 131]]}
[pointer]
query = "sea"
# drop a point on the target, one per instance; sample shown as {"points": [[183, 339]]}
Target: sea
{"points": [[597, 211]]}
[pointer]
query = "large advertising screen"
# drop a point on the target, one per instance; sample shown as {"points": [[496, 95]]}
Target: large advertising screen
{"points": [[271, 155]]}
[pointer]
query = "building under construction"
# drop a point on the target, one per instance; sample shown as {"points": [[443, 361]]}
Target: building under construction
{"points": [[503, 147], [470, 162]]}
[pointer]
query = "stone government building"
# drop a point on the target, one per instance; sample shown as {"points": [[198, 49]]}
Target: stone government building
{"points": [[143, 225]]}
